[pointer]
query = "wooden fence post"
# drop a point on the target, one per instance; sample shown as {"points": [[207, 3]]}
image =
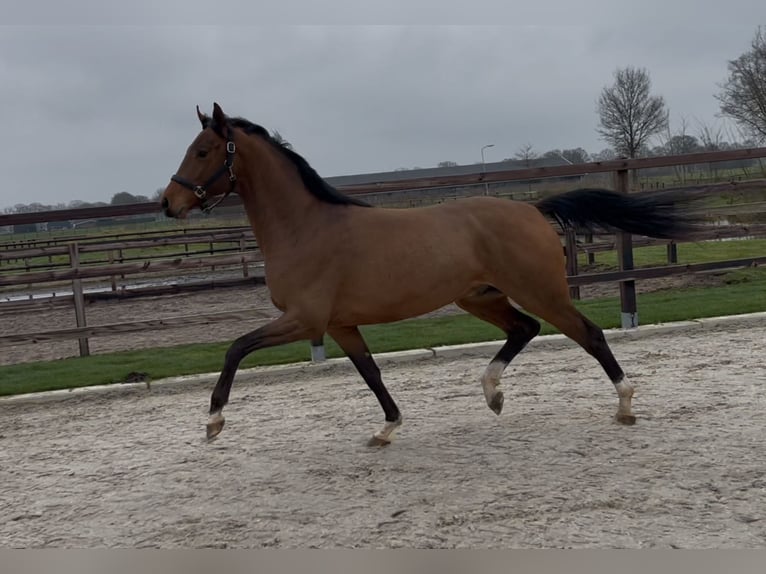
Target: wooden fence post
{"points": [[79, 299], [570, 237], [629, 311], [122, 260], [245, 270], [112, 278], [591, 255], [672, 252]]}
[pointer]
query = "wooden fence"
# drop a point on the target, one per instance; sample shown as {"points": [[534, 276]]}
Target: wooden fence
{"points": [[16, 269]]}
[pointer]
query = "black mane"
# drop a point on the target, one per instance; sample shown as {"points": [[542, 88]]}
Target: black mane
{"points": [[311, 179]]}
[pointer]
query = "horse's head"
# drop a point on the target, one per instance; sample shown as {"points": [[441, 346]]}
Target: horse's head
{"points": [[206, 170]]}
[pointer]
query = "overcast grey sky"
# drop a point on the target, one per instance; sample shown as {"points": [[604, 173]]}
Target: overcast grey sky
{"points": [[96, 101]]}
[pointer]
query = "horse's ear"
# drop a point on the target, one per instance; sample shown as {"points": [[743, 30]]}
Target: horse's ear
{"points": [[203, 119], [218, 116]]}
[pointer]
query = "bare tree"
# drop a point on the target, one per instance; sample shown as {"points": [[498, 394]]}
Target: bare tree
{"points": [[526, 153], [573, 155], [711, 139], [125, 198], [681, 141], [605, 154], [743, 95], [628, 114], [710, 136], [677, 142], [576, 155]]}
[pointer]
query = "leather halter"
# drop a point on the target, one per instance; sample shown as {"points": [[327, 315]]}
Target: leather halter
{"points": [[200, 191]]}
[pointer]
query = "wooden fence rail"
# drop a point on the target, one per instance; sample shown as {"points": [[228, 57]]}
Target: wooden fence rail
{"points": [[63, 237], [148, 266], [136, 326], [58, 299], [664, 271], [83, 332], [626, 275], [94, 247]]}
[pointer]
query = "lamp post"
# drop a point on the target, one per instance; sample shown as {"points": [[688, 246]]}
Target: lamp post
{"points": [[483, 169]]}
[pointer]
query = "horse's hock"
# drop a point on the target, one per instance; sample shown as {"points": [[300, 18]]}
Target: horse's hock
{"points": [[554, 470]]}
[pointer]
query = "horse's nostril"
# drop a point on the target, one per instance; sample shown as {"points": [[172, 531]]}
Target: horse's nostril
{"points": [[165, 203]]}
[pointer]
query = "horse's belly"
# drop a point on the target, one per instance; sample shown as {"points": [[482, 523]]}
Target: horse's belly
{"points": [[383, 301]]}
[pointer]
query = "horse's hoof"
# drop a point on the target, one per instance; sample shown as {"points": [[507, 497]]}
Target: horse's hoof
{"points": [[626, 419], [214, 426], [377, 441], [496, 404]]}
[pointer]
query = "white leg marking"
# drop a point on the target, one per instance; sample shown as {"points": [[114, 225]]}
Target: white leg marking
{"points": [[214, 425], [491, 379], [385, 434], [625, 393]]}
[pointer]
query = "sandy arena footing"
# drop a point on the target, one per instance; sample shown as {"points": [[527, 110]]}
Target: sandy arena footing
{"points": [[292, 469]]}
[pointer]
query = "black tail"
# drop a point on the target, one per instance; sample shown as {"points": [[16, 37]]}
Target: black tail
{"points": [[663, 215]]}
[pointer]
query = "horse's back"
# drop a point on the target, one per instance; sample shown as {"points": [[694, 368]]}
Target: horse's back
{"points": [[486, 209]]}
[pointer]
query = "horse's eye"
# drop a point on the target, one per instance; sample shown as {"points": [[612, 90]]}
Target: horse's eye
{"points": [[202, 153]]}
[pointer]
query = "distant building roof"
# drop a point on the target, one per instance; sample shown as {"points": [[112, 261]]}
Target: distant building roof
{"points": [[385, 176]]}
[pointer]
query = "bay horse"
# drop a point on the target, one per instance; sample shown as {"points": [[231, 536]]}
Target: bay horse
{"points": [[334, 263]]}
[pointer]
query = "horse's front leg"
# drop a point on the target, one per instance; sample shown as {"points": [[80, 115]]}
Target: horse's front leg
{"points": [[285, 329], [350, 340]]}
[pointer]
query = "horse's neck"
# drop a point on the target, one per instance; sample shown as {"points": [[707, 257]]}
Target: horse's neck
{"points": [[278, 206]]}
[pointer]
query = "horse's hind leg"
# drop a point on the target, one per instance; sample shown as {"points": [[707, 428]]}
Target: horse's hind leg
{"points": [[492, 306], [590, 337], [535, 278], [352, 343]]}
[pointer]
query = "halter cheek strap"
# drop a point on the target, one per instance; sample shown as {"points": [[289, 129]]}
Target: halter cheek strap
{"points": [[200, 191]]}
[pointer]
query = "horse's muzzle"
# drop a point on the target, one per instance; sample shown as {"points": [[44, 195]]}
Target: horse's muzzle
{"points": [[176, 208], [165, 204]]}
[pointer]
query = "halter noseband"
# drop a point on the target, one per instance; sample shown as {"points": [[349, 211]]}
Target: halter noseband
{"points": [[200, 191]]}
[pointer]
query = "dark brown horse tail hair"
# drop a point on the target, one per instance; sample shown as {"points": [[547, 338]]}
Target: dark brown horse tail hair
{"points": [[664, 215]]}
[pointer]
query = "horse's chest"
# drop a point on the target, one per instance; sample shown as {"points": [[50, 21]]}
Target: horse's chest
{"points": [[278, 304], [282, 289]]}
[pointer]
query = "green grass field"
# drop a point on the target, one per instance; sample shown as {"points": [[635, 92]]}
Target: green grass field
{"points": [[703, 252], [743, 291]]}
